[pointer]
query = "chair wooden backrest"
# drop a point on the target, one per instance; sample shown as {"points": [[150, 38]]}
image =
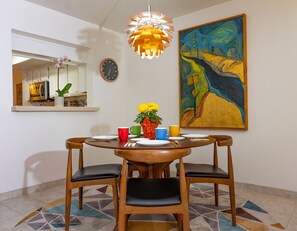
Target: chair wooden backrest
{"points": [[223, 141], [212, 173], [156, 158], [99, 174], [74, 144]]}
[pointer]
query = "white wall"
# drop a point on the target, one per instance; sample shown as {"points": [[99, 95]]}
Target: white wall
{"points": [[33, 144], [265, 154]]}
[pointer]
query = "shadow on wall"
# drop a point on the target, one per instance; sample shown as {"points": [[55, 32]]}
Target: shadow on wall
{"points": [[44, 167], [102, 42], [102, 129]]}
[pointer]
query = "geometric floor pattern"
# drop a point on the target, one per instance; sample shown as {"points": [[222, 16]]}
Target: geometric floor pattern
{"points": [[98, 212]]}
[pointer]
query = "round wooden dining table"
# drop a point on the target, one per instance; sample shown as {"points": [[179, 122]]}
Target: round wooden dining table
{"points": [[175, 144], [150, 170]]}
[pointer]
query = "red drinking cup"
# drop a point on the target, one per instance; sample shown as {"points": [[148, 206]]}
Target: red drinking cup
{"points": [[123, 133]]}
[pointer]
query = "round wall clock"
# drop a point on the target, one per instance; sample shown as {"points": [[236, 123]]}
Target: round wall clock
{"points": [[109, 69]]}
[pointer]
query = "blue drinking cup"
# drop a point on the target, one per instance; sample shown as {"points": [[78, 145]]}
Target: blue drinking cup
{"points": [[161, 134]]}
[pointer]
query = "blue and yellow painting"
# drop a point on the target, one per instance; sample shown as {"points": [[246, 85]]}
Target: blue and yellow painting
{"points": [[213, 75]]}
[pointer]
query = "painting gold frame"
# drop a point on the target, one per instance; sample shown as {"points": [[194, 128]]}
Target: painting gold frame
{"points": [[213, 75]]}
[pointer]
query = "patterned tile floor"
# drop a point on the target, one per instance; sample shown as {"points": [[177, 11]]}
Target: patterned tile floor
{"points": [[255, 211]]}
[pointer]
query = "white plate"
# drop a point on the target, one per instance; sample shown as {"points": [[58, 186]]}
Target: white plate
{"points": [[104, 137], [132, 136], [153, 142], [176, 138], [195, 135], [138, 139]]}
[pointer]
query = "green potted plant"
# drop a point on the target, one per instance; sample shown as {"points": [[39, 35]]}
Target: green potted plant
{"points": [[65, 90], [59, 100]]}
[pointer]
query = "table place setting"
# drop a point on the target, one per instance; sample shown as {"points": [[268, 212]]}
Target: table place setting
{"points": [[132, 136], [145, 142], [196, 137], [162, 137], [193, 140], [105, 137], [152, 142], [138, 139], [175, 143], [173, 138], [145, 131], [130, 144]]}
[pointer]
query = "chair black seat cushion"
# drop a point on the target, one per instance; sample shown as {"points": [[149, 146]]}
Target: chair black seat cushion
{"points": [[203, 170], [97, 172], [153, 192]]}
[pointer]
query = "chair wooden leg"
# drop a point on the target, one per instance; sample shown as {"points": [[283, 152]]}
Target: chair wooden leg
{"points": [[167, 172], [232, 202], [130, 170], [80, 197], [67, 209], [179, 219], [115, 200], [126, 221], [186, 221], [188, 190], [122, 224], [216, 192]]}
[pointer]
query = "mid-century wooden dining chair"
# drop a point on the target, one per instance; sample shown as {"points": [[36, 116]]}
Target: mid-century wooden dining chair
{"points": [[212, 173], [90, 175], [153, 195]]}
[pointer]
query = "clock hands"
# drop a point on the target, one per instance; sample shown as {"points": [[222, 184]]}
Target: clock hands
{"points": [[109, 69]]}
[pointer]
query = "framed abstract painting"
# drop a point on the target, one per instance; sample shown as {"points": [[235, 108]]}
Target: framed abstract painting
{"points": [[213, 79]]}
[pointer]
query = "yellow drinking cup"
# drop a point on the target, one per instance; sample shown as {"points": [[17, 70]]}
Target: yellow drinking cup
{"points": [[174, 130]]}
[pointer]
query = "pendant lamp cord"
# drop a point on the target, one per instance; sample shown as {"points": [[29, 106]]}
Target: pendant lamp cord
{"points": [[148, 6], [108, 13]]}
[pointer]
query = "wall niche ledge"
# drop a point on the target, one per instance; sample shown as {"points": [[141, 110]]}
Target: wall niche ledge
{"points": [[53, 109]]}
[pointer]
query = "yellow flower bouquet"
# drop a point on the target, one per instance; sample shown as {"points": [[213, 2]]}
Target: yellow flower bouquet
{"points": [[148, 119], [148, 110]]}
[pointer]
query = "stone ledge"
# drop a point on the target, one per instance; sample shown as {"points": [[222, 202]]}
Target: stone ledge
{"points": [[53, 109]]}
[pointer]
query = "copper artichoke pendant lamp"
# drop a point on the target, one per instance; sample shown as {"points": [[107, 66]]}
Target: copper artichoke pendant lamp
{"points": [[150, 33]]}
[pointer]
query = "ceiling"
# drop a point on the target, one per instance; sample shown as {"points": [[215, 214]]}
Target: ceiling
{"points": [[29, 64], [114, 14]]}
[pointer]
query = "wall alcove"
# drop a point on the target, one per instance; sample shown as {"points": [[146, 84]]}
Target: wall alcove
{"points": [[33, 61]]}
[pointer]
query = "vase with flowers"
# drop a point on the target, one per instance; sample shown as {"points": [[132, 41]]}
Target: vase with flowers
{"points": [[148, 119], [59, 100]]}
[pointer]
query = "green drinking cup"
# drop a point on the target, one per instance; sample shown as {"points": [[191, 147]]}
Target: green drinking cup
{"points": [[136, 130]]}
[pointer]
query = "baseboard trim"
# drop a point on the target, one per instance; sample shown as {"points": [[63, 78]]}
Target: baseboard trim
{"points": [[260, 188], [266, 189], [28, 190]]}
